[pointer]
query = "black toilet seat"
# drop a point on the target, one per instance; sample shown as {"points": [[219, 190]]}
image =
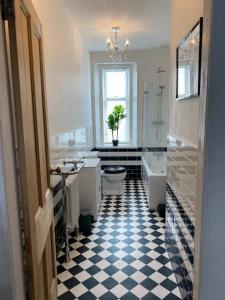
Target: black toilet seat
{"points": [[115, 170]]}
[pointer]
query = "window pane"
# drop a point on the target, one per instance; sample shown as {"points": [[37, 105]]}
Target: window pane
{"points": [[115, 84], [124, 126]]}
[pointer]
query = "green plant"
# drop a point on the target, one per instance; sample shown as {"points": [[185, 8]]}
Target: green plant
{"points": [[111, 124], [115, 118]]}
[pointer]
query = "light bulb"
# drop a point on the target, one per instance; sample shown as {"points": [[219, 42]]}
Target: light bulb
{"points": [[104, 3], [127, 43]]}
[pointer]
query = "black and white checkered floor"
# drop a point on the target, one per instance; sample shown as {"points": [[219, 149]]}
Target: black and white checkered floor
{"points": [[123, 258]]}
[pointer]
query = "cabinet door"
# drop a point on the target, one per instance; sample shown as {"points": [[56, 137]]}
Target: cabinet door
{"points": [[98, 185]]}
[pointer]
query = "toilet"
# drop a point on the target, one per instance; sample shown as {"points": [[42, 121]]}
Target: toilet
{"points": [[112, 178]]}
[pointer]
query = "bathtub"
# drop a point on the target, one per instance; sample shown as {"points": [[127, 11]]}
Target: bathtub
{"points": [[154, 177]]}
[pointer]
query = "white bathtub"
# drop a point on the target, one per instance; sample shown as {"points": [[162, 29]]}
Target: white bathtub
{"points": [[154, 177]]}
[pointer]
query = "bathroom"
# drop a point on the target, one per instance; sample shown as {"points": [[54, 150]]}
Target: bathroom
{"points": [[105, 150]]}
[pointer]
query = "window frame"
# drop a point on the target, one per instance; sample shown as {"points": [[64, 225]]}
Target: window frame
{"points": [[104, 100]]}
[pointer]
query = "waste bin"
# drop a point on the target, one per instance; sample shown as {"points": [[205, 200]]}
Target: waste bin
{"points": [[85, 221], [162, 210]]}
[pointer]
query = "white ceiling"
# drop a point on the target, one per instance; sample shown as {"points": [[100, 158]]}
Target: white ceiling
{"points": [[145, 22]]}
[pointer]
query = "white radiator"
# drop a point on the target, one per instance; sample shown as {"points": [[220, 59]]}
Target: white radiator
{"points": [[72, 201]]}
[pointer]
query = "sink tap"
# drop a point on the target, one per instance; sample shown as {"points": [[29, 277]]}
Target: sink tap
{"points": [[70, 162], [73, 162], [58, 170]]}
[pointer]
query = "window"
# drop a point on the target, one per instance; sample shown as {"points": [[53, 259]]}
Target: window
{"points": [[116, 91], [114, 85]]}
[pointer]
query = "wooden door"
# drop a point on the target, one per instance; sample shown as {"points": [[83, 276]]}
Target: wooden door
{"points": [[27, 69]]}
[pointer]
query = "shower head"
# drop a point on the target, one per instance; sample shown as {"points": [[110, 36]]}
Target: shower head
{"points": [[147, 85], [160, 93]]}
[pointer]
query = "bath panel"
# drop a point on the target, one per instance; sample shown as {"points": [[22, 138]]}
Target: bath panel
{"points": [[154, 177]]}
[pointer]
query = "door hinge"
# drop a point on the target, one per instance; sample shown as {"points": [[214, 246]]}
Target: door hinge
{"points": [[7, 9]]}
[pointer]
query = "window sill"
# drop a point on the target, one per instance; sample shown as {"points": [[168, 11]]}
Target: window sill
{"points": [[122, 146]]}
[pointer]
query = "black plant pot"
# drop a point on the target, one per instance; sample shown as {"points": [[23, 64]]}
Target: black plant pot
{"points": [[115, 143]]}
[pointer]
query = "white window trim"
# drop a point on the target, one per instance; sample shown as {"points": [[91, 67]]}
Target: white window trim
{"points": [[127, 99], [98, 100]]}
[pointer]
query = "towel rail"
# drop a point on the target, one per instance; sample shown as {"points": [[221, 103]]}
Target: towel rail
{"points": [[64, 174]]}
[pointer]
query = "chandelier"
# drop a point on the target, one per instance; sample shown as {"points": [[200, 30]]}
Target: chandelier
{"points": [[113, 46], [104, 3]]}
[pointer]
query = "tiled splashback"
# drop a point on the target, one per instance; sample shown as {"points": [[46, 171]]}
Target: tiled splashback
{"points": [[69, 143], [126, 157], [181, 211], [131, 158]]}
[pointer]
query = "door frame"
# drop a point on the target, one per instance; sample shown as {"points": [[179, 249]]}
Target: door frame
{"points": [[210, 219], [12, 285]]}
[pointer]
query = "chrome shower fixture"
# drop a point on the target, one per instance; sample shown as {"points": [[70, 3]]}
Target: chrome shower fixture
{"points": [[159, 70]]}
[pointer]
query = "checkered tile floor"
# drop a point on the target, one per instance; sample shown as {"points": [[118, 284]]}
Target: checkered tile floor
{"points": [[123, 258]]}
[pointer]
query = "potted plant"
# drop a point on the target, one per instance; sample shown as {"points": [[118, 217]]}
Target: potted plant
{"points": [[114, 121]]}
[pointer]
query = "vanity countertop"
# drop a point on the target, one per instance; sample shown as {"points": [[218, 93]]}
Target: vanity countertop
{"points": [[91, 162], [91, 154], [87, 154]]}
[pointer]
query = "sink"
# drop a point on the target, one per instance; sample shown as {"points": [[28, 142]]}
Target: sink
{"points": [[68, 166]]}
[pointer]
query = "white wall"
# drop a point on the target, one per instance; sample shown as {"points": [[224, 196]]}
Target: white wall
{"points": [[184, 115], [147, 63], [67, 66]]}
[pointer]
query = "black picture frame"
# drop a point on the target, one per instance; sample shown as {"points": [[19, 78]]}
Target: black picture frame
{"points": [[195, 87]]}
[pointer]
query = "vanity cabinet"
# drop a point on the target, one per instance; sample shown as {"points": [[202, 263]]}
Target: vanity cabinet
{"points": [[90, 186]]}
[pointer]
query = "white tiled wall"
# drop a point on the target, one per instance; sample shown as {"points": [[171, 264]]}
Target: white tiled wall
{"points": [[70, 143]]}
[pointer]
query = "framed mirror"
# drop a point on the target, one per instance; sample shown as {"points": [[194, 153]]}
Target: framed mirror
{"points": [[189, 63]]}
